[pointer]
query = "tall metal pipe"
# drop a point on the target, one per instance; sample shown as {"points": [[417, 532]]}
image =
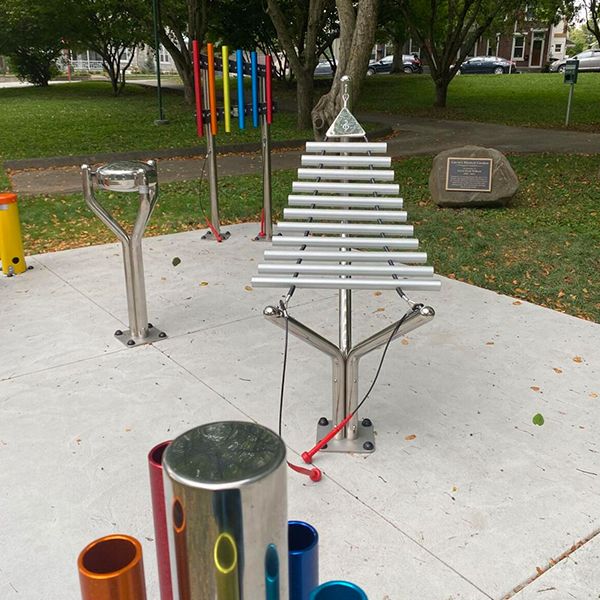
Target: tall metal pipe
{"points": [[303, 541], [266, 165], [226, 505], [160, 519], [112, 568]]}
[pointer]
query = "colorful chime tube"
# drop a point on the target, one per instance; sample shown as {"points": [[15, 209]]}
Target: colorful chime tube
{"points": [[112, 568], [226, 507], [160, 519], [239, 57], [303, 558], [198, 89], [254, 72], [269, 88], [338, 590], [226, 99], [212, 88]]}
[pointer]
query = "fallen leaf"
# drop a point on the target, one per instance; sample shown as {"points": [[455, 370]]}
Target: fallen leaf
{"points": [[538, 420], [376, 293], [539, 570], [593, 395], [489, 343], [577, 359], [176, 261], [557, 370], [535, 388], [248, 288], [408, 438], [404, 342], [127, 428], [454, 488], [380, 309], [203, 283], [517, 302]]}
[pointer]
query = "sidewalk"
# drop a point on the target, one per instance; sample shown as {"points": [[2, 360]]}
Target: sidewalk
{"points": [[412, 136]]}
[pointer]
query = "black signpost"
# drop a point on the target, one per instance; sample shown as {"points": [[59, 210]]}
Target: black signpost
{"points": [[571, 71], [469, 174]]}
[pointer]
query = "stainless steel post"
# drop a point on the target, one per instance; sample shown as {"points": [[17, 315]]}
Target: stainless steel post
{"points": [[345, 321], [571, 87], [211, 162], [128, 176], [226, 505], [266, 164]]}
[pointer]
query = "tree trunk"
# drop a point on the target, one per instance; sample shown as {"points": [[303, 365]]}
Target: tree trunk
{"points": [[305, 98], [441, 92], [397, 62], [357, 34]]}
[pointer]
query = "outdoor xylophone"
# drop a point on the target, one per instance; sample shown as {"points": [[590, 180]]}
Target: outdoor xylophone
{"points": [[208, 114], [344, 230]]}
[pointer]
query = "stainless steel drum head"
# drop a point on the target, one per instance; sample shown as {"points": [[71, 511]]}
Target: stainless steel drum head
{"points": [[224, 454], [123, 176]]}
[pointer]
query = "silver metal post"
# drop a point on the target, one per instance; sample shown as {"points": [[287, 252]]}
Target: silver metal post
{"points": [[128, 177], [571, 87], [211, 168], [226, 505], [266, 164]]}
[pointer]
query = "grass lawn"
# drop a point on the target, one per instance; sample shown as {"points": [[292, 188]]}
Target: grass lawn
{"points": [[544, 248], [85, 117], [529, 99]]}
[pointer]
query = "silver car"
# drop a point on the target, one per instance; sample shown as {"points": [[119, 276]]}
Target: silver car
{"points": [[588, 61]]}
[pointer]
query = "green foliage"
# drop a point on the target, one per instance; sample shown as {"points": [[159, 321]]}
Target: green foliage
{"points": [[581, 38], [31, 36], [538, 419]]}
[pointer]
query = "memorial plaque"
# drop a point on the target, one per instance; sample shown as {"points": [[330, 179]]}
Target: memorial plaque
{"points": [[469, 174]]}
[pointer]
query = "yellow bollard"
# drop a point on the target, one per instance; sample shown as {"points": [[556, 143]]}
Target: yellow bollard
{"points": [[11, 244]]}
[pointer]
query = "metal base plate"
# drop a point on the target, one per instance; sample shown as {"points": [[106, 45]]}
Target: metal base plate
{"points": [[154, 335], [363, 444], [261, 237], [210, 236]]}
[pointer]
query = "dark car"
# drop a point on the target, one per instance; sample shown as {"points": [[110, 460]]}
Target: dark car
{"points": [[411, 63], [588, 61], [488, 64]]}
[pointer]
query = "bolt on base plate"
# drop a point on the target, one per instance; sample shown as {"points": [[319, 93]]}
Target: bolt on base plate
{"points": [[209, 236], [363, 444], [154, 335]]}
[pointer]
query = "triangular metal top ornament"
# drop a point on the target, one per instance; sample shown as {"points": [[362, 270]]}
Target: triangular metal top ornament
{"points": [[345, 124]]}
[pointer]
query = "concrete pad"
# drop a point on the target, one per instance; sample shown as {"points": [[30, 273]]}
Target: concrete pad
{"points": [[463, 498], [576, 577], [210, 286], [479, 485], [46, 322]]}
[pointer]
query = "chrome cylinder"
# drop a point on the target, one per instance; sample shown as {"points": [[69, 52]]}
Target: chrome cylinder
{"points": [[226, 505]]}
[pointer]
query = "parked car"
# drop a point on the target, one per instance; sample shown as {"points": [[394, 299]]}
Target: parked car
{"points": [[323, 69], [411, 63], [488, 64], [588, 61]]}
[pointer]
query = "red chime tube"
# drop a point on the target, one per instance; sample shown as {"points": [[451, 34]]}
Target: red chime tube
{"points": [[160, 519], [269, 99], [197, 88], [212, 89]]}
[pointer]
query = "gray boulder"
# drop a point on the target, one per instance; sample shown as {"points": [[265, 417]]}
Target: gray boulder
{"points": [[504, 180]]}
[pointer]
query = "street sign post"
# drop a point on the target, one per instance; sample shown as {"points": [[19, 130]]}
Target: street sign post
{"points": [[571, 71]]}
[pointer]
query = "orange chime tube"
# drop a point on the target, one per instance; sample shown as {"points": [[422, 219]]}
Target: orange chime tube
{"points": [[111, 568], [212, 89]]}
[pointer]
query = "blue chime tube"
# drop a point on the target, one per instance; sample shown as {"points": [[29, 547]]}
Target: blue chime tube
{"points": [[303, 546], [254, 66], [338, 590], [239, 59]]}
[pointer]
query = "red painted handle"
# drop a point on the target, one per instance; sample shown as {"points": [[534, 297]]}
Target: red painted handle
{"points": [[197, 89], [307, 456]]}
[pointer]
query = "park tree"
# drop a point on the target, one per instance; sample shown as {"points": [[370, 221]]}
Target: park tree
{"points": [[447, 30], [391, 27], [31, 36], [592, 17], [304, 29], [113, 29], [358, 22]]}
